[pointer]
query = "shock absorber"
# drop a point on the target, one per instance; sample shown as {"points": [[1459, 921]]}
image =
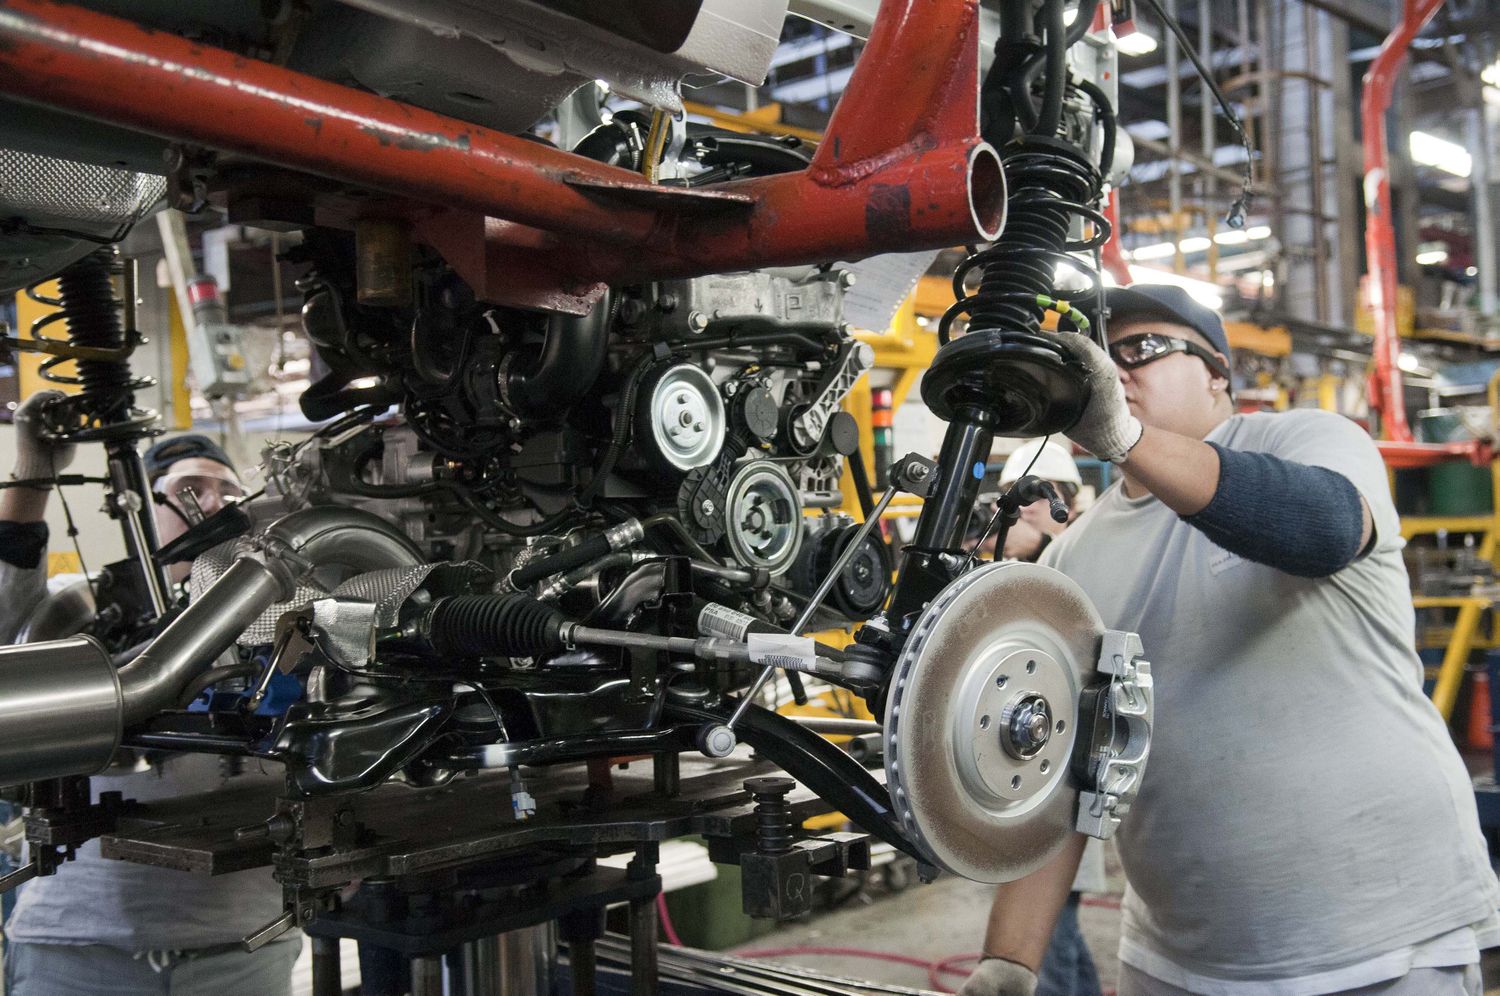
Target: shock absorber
{"points": [[101, 337], [1004, 375]]}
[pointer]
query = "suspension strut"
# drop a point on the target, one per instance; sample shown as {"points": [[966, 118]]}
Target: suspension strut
{"points": [[101, 337], [1004, 376]]}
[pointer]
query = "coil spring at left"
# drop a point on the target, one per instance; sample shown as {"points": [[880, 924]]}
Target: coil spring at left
{"points": [[99, 346]]}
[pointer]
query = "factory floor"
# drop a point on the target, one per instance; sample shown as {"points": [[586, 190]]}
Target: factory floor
{"points": [[928, 923], [932, 922]]}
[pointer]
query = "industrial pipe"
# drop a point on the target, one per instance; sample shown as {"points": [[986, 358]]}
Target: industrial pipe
{"points": [[1386, 392], [64, 706]]}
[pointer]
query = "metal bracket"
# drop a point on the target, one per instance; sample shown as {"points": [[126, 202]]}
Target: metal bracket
{"points": [[853, 360]]}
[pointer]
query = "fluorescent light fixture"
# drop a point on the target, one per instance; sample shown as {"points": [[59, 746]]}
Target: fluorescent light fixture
{"points": [[1233, 237], [1196, 243], [1202, 291], [1135, 43], [1432, 257], [1156, 250], [1450, 157], [1408, 362], [1258, 232]]}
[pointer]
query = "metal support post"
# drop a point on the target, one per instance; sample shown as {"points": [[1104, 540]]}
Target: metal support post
{"points": [[427, 975], [327, 974]]}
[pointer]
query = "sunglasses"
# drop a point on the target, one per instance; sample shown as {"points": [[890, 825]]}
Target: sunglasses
{"points": [[1148, 347]]}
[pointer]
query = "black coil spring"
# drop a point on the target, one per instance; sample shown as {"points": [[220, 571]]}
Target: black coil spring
{"points": [[493, 626], [104, 407], [1050, 185]]}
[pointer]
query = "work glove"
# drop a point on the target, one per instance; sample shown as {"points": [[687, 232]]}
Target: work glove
{"points": [[999, 977], [1106, 428], [36, 456]]}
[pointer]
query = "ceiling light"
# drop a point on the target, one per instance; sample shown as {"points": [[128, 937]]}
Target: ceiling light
{"points": [[1429, 150], [1202, 291], [1432, 257], [1406, 361], [1197, 243], [1258, 232], [1233, 237], [1135, 43], [1472, 271], [1156, 250]]}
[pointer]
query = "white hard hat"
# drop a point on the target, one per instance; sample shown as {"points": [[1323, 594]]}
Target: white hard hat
{"points": [[1053, 463]]}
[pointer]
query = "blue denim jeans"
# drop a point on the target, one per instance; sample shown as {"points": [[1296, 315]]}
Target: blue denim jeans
{"points": [[1068, 968]]}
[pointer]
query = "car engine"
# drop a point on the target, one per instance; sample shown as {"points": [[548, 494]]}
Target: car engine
{"points": [[577, 493]]}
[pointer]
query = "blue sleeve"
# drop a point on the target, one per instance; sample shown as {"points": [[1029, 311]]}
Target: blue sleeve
{"points": [[1297, 518]]}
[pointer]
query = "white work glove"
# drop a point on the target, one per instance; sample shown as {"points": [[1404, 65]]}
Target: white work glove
{"points": [[37, 457], [998, 977], [1107, 429]]}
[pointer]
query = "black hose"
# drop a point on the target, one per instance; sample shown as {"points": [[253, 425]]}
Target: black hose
{"points": [[215, 675], [565, 559], [1106, 114], [493, 626], [1050, 117], [571, 360], [1082, 22], [624, 418]]}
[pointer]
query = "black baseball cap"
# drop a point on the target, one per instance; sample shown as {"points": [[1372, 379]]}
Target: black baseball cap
{"points": [[160, 457], [1167, 303]]}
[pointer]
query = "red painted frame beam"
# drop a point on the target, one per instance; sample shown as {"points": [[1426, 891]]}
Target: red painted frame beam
{"points": [[901, 167]]}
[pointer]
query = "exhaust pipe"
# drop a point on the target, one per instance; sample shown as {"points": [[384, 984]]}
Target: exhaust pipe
{"points": [[63, 705]]}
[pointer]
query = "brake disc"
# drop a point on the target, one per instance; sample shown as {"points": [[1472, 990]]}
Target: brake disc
{"points": [[979, 723]]}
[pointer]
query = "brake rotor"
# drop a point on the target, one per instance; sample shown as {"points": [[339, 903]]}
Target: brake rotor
{"points": [[979, 723]]}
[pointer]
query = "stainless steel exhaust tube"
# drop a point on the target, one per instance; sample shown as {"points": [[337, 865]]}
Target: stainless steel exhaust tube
{"points": [[59, 709], [64, 707]]}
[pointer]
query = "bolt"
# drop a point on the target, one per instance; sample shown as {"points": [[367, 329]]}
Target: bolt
{"points": [[847, 279], [697, 321], [918, 472], [685, 419], [707, 505], [773, 817]]}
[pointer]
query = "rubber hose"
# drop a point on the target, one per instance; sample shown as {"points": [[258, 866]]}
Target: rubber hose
{"points": [[493, 626], [565, 559]]}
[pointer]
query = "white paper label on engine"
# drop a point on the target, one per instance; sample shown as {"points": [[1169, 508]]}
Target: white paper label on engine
{"points": [[721, 620]]}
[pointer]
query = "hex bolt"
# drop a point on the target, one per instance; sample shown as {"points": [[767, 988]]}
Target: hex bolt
{"points": [[707, 506], [697, 321], [773, 817]]}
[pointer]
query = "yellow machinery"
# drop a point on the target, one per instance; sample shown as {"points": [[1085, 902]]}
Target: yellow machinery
{"points": [[1465, 635]]}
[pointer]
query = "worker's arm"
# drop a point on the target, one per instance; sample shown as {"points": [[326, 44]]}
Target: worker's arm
{"points": [[1022, 918], [1302, 519], [1215, 489]]}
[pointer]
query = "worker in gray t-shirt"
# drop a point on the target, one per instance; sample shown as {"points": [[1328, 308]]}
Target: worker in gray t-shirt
{"points": [[1305, 825], [102, 926]]}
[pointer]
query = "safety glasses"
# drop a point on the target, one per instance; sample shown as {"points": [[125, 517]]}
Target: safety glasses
{"points": [[1148, 347], [194, 495]]}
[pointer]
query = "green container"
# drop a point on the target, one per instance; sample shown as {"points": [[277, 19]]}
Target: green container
{"points": [[711, 915], [1460, 488]]}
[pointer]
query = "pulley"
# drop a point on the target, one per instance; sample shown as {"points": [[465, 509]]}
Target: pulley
{"points": [[681, 417]]}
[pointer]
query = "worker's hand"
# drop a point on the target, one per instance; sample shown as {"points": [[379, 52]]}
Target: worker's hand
{"points": [[998, 977], [37, 457], [1106, 429]]}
